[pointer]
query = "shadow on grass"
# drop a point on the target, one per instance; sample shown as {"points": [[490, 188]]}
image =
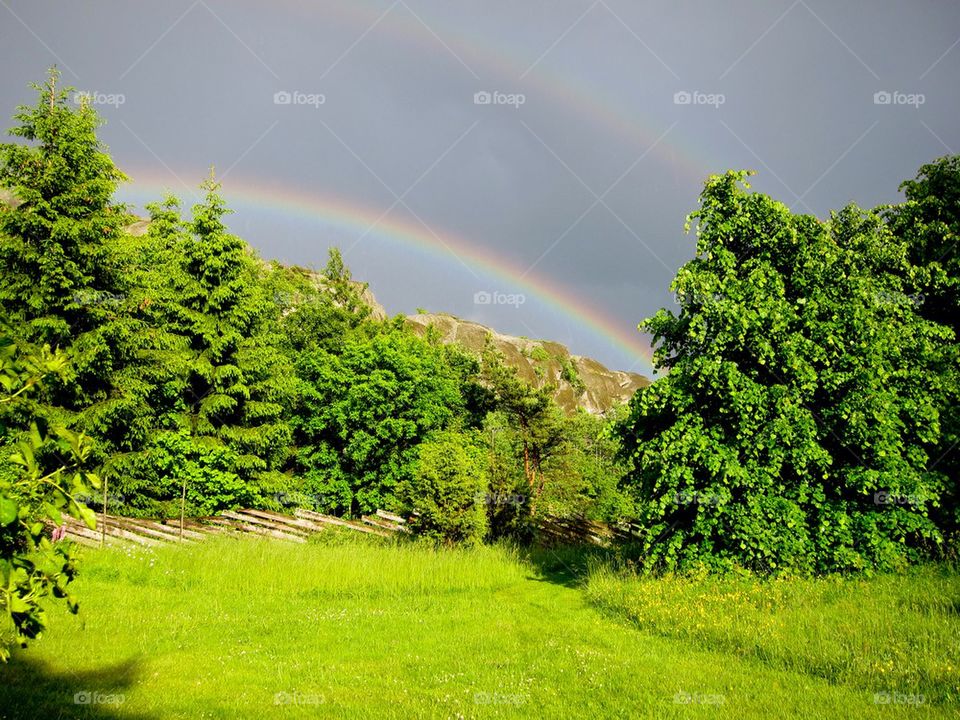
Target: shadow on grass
{"points": [[30, 689], [568, 565]]}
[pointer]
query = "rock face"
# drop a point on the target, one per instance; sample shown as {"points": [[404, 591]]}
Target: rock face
{"points": [[580, 381]]}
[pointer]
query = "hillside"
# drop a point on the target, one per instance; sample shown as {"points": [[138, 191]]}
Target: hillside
{"points": [[579, 381]]}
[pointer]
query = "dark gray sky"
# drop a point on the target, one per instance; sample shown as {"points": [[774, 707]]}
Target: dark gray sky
{"points": [[566, 191]]}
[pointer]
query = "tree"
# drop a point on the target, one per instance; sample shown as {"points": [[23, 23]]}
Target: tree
{"points": [[793, 427], [220, 434], [363, 412], [534, 415], [929, 223], [446, 491], [318, 309], [32, 567], [64, 280]]}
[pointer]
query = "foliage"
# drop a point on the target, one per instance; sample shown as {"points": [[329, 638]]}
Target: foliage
{"points": [[929, 223], [32, 567], [447, 490], [531, 411], [226, 384], [65, 284], [363, 412], [793, 428], [584, 480]]}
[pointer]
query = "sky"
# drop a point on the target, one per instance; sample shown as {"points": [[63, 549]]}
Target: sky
{"points": [[520, 163]]}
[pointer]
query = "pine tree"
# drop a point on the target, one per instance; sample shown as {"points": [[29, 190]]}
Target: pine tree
{"points": [[64, 279], [234, 382]]}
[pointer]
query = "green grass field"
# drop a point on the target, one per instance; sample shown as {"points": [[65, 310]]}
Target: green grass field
{"points": [[351, 628]]}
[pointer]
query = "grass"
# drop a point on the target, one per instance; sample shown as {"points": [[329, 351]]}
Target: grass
{"points": [[350, 628], [898, 633]]}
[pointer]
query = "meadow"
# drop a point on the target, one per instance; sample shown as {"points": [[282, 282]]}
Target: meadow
{"points": [[351, 627]]}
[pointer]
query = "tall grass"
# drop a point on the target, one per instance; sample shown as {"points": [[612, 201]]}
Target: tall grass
{"points": [[898, 633]]}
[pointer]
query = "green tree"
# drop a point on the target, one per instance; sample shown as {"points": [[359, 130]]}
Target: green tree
{"points": [[792, 428], [537, 420], [65, 284], [446, 492], [363, 412], [929, 223], [32, 567], [318, 309], [220, 434]]}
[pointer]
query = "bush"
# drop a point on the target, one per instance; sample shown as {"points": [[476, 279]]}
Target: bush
{"points": [[447, 492]]}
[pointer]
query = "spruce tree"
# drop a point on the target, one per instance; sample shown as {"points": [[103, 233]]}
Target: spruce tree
{"points": [[64, 279], [234, 382]]}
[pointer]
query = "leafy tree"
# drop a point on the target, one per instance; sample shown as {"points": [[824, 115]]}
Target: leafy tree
{"points": [[446, 491], [32, 567], [929, 223], [534, 415], [584, 478], [792, 428], [318, 310], [363, 412]]}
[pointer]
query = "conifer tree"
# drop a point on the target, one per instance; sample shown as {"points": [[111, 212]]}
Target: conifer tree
{"points": [[64, 280], [234, 383]]}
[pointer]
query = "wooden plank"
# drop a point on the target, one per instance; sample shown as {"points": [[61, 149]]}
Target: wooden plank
{"points": [[81, 530], [172, 531], [261, 522], [380, 523], [290, 520], [330, 520], [396, 519], [258, 530], [80, 540], [148, 531]]}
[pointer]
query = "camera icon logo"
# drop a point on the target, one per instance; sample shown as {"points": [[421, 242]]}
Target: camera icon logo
{"points": [[482, 98], [282, 98], [482, 298], [682, 98], [882, 97]]}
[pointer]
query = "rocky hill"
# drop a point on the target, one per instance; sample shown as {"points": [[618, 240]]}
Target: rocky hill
{"points": [[580, 381]]}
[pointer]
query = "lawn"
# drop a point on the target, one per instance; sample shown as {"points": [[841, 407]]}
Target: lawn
{"points": [[355, 628]]}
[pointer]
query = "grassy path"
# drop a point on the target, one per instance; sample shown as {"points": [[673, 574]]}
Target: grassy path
{"points": [[248, 629]]}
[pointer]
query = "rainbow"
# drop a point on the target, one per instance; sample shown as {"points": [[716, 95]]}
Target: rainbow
{"points": [[352, 218]]}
